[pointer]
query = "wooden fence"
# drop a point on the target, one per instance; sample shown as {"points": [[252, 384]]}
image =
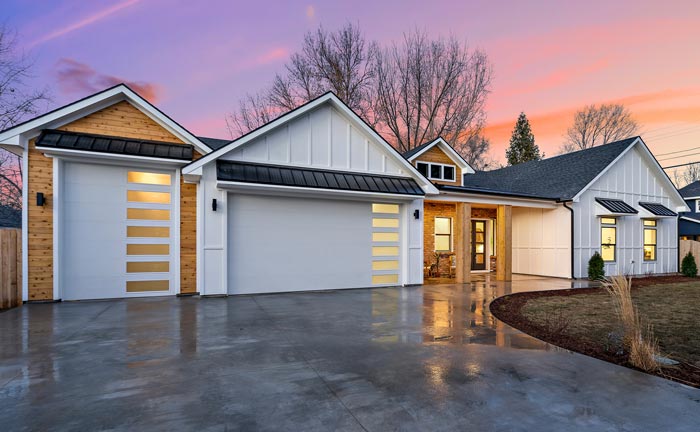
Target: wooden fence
{"points": [[10, 268], [690, 246]]}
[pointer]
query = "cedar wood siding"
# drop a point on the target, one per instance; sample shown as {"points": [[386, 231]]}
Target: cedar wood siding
{"points": [[435, 154], [124, 120]]}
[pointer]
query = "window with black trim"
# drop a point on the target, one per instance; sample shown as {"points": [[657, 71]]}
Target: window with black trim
{"points": [[649, 240], [436, 171], [608, 238]]}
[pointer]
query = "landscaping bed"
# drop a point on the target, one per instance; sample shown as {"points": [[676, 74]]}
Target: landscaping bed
{"points": [[585, 321]]}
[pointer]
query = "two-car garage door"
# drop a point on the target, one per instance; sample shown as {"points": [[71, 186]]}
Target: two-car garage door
{"points": [[278, 244]]}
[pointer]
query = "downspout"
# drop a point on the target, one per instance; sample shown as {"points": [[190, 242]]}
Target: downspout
{"points": [[572, 237], [678, 243]]}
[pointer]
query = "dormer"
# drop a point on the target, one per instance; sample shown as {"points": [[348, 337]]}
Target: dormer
{"points": [[439, 162]]}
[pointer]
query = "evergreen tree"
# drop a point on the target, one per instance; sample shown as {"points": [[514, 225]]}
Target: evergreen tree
{"points": [[522, 143]]}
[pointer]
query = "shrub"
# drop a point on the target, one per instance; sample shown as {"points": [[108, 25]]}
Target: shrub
{"points": [[596, 267], [688, 266]]}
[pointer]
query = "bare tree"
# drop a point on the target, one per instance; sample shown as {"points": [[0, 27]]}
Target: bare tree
{"points": [[429, 88], [474, 151], [596, 125], [341, 62], [17, 101], [687, 175]]}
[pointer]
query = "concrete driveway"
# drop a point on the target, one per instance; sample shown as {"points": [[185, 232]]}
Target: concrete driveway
{"points": [[416, 358]]}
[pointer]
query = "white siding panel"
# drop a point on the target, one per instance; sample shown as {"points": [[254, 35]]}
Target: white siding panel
{"points": [[323, 138], [541, 241]]}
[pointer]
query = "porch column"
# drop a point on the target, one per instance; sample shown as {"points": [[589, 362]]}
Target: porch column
{"points": [[463, 235], [504, 243]]}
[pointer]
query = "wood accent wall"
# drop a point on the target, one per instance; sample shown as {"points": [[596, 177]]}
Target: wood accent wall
{"points": [[435, 154], [188, 235], [39, 226], [124, 120]]}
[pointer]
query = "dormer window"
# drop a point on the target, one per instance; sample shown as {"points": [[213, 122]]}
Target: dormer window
{"points": [[436, 171], [697, 206]]}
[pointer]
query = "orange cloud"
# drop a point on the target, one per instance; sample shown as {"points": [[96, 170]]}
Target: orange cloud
{"points": [[78, 78], [84, 22], [557, 78]]}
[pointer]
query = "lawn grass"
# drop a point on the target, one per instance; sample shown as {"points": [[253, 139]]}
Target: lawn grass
{"points": [[585, 321]]}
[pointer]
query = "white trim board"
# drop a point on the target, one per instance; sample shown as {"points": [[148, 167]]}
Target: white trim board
{"points": [[449, 150]]}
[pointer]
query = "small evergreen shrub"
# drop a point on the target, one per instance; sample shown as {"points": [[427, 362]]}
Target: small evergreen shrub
{"points": [[596, 267], [688, 266]]}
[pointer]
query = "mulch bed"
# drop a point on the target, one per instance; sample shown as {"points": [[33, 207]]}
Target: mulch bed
{"points": [[509, 310]]}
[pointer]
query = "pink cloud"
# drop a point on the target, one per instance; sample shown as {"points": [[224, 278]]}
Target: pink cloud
{"points": [[79, 78], [84, 22], [271, 56]]}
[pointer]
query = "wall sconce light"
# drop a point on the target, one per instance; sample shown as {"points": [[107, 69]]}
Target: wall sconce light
{"points": [[416, 214], [213, 204], [40, 200]]}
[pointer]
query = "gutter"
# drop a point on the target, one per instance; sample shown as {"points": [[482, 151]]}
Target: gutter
{"points": [[572, 235], [476, 191]]}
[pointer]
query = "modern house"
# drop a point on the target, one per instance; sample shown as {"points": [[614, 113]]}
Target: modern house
{"points": [[122, 201], [689, 224]]}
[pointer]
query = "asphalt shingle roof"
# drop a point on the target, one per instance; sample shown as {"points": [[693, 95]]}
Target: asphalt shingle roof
{"points": [[691, 190], [115, 145], [415, 150], [314, 178], [214, 143], [559, 177]]}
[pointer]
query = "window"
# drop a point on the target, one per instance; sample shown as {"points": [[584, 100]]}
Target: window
{"points": [[697, 206], [649, 240], [436, 171], [608, 240], [422, 168], [443, 234]]}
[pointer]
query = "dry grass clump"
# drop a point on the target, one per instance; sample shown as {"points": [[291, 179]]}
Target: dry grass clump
{"points": [[638, 339]]}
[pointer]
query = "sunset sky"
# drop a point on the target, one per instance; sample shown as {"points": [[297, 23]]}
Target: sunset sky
{"points": [[196, 59]]}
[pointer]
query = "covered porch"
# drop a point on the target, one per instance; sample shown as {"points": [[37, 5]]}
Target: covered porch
{"points": [[463, 238], [465, 235]]}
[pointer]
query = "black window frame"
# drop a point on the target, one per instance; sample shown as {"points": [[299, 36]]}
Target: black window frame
{"points": [[646, 228], [613, 226]]}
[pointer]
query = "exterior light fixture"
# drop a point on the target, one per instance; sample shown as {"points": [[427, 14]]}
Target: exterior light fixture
{"points": [[40, 200], [213, 204], [416, 214]]}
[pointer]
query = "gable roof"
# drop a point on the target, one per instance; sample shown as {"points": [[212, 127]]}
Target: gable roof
{"points": [[10, 137], [415, 152], [691, 190], [328, 97], [560, 177]]}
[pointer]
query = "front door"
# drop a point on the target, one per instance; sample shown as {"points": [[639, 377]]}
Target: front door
{"points": [[478, 245]]}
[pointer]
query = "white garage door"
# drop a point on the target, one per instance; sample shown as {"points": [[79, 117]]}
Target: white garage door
{"points": [[280, 244], [117, 229]]}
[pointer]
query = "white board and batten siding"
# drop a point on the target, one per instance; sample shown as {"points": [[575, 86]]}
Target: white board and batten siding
{"points": [[323, 138], [542, 241], [632, 178]]}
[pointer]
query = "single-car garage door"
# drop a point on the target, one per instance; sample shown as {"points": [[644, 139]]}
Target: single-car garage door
{"points": [[278, 244], [117, 232]]}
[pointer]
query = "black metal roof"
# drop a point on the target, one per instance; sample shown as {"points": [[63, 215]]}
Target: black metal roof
{"points": [[658, 209], [214, 143], [560, 177], [616, 205], [690, 190], [314, 178], [112, 144]]}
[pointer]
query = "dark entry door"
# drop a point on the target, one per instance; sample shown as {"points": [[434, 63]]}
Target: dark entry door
{"points": [[478, 245]]}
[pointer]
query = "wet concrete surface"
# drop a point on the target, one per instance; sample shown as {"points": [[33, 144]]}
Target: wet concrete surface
{"points": [[415, 358]]}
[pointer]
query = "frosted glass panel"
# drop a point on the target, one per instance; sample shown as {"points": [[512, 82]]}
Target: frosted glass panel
{"points": [[148, 178]]}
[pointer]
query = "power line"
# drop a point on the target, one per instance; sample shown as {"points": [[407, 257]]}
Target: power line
{"points": [[676, 152], [680, 165]]}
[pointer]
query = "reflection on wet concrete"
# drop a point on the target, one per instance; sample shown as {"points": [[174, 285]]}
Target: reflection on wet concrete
{"points": [[408, 358], [457, 313]]}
